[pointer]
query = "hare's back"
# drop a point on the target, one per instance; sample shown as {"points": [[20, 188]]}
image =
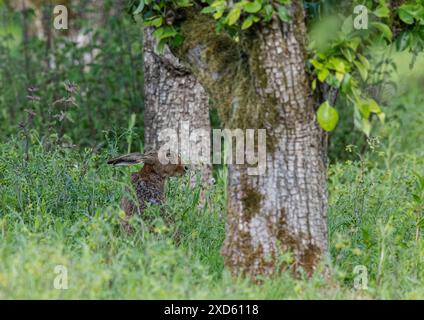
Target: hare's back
{"points": [[148, 191]]}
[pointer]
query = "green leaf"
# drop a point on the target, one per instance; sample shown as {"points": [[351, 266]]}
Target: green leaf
{"points": [[322, 74], [168, 32], [283, 14], [252, 7], [164, 33], [332, 81], [218, 14], [316, 64], [183, 3], [247, 22], [364, 108], [339, 76], [337, 64], [347, 83], [218, 3], [209, 9], [368, 106], [384, 29], [406, 17], [403, 41], [348, 54], [233, 16], [382, 12], [364, 61], [374, 107], [362, 70], [327, 116], [177, 40], [161, 46], [157, 33], [267, 10], [354, 43], [155, 22], [366, 126], [406, 14]]}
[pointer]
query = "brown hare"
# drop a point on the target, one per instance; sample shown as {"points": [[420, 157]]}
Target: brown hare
{"points": [[149, 182]]}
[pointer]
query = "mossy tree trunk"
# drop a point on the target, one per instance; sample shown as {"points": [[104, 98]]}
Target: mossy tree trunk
{"points": [[173, 96], [261, 83]]}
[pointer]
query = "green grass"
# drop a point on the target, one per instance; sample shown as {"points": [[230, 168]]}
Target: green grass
{"points": [[62, 208]]}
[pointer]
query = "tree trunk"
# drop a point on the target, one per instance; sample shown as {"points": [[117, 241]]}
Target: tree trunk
{"points": [[262, 83], [172, 97], [285, 208]]}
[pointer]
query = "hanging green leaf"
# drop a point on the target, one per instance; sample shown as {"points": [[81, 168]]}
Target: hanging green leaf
{"points": [[327, 116]]}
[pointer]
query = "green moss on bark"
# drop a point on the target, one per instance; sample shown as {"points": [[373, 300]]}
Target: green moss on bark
{"points": [[232, 74]]}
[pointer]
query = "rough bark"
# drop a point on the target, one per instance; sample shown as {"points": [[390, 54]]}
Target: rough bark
{"points": [[172, 95], [266, 86], [291, 210]]}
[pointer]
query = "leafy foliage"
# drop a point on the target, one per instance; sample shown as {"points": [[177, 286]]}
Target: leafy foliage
{"points": [[36, 87], [231, 16], [340, 59]]}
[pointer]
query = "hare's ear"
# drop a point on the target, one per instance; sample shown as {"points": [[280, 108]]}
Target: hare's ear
{"points": [[149, 157], [127, 160]]}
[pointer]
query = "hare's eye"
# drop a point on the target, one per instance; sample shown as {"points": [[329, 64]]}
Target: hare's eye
{"points": [[186, 168]]}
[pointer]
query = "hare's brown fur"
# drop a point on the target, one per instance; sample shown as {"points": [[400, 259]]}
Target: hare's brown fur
{"points": [[148, 183]]}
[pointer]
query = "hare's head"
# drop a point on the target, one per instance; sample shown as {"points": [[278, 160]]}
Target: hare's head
{"points": [[152, 161]]}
